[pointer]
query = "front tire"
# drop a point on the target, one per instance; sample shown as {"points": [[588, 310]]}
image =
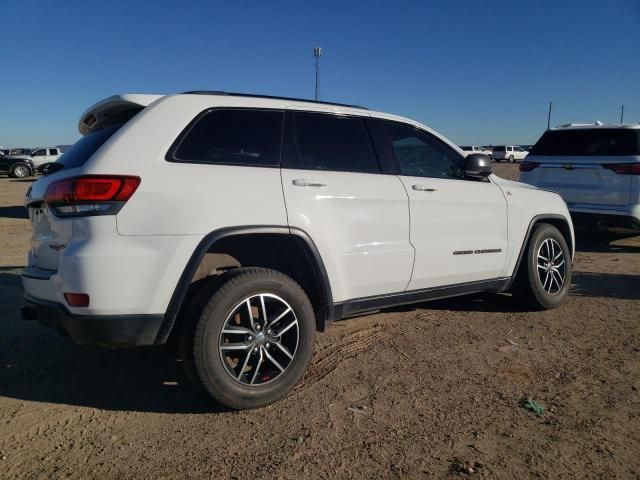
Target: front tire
{"points": [[544, 277], [254, 338], [511, 159], [20, 171]]}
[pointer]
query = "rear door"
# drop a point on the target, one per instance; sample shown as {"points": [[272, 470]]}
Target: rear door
{"points": [[574, 163], [458, 225], [335, 191]]}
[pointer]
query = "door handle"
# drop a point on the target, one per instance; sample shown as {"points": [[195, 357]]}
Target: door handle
{"points": [[422, 188], [301, 182]]}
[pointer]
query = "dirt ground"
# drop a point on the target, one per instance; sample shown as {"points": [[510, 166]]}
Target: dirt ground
{"points": [[436, 390]]}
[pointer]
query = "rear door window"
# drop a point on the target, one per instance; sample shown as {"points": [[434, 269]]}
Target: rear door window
{"points": [[331, 142], [245, 137], [589, 142]]}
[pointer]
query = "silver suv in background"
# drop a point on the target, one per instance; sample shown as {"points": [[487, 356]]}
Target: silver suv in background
{"points": [[595, 168]]}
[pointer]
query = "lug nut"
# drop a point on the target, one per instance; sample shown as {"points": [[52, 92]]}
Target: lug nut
{"points": [[269, 331], [249, 338], [255, 350], [257, 326], [266, 345]]}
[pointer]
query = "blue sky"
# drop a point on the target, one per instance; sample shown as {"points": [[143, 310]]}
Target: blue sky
{"points": [[477, 71]]}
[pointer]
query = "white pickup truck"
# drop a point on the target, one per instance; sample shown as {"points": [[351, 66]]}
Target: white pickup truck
{"points": [[40, 156]]}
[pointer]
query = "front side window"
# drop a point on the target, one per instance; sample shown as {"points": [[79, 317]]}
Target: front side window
{"points": [[420, 154], [233, 137], [332, 142]]}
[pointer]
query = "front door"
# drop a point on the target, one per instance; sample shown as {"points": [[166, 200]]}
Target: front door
{"points": [[458, 225]]}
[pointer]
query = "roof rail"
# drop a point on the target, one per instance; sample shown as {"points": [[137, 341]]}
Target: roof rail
{"points": [[271, 97]]}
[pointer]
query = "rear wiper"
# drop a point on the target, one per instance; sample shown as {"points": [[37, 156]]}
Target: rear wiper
{"points": [[51, 167]]}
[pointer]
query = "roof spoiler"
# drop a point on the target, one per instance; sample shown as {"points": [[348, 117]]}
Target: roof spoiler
{"points": [[114, 109]]}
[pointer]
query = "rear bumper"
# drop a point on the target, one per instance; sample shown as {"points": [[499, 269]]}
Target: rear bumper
{"points": [[106, 330]]}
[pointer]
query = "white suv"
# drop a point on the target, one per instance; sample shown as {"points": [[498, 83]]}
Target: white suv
{"points": [[40, 156], [596, 169], [511, 153], [240, 224]]}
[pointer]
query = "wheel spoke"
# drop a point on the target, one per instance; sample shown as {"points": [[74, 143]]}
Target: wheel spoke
{"points": [[273, 360], [557, 256], [542, 267], [281, 332], [283, 349], [250, 312], [235, 346], [264, 312], [544, 285], [237, 331], [542, 258], [559, 280], [559, 264], [255, 374], [274, 321], [244, 365]]}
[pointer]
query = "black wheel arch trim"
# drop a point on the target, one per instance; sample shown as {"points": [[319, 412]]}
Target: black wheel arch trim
{"points": [[534, 221], [325, 311]]}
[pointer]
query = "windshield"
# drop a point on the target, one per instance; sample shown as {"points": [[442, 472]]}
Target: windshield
{"points": [[82, 150]]}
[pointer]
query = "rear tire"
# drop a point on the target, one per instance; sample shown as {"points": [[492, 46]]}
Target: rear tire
{"points": [[544, 276], [244, 358], [511, 159]]}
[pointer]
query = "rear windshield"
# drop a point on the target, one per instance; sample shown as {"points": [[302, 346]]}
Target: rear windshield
{"points": [[588, 142], [82, 150], [500, 149]]}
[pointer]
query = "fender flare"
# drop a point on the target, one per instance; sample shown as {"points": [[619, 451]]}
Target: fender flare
{"points": [[534, 221], [182, 287]]}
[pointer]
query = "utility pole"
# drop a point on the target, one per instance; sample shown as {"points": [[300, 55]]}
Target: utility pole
{"points": [[549, 116], [621, 114], [317, 53]]}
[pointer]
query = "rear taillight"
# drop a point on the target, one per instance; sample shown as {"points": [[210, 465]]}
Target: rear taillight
{"points": [[528, 166], [90, 195], [624, 168]]}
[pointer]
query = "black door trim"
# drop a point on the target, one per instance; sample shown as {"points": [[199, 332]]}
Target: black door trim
{"points": [[357, 306]]}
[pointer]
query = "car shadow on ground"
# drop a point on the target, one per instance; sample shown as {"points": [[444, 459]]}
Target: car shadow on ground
{"points": [[13, 212], [24, 180], [38, 364], [604, 242], [609, 285], [481, 302]]}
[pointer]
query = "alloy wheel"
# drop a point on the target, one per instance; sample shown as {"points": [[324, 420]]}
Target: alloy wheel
{"points": [[552, 266], [259, 339]]}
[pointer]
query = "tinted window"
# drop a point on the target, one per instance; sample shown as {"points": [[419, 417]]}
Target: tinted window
{"points": [[40, 153], [332, 142], [466, 149], [499, 149], [587, 142], [235, 137], [80, 152], [420, 154]]}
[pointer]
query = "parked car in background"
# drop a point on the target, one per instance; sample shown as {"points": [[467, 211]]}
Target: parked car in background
{"points": [[511, 153], [306, 221], [595, 168], [40, 156], [16, 167], [474, 149]]}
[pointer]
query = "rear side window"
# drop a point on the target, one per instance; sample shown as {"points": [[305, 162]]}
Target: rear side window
{"points": [[82, 150], [332, 142], [589, 142], [499, 149], [233, 137]]}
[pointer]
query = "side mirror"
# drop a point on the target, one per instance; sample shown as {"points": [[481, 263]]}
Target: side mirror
{"points": [[477, 165]]}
